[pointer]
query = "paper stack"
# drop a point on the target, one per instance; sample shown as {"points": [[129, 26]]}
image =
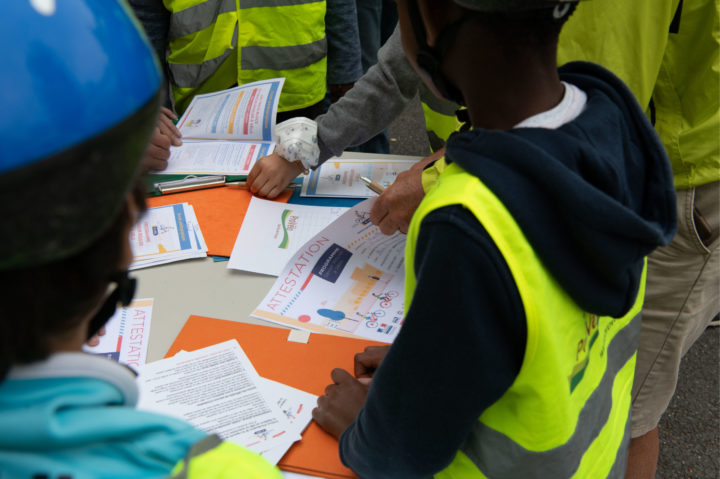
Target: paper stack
{"points": [[166, 234], [217, 390]]}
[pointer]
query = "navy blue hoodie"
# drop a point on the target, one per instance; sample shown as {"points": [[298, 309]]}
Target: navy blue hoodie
{"points": [[593, 197]]}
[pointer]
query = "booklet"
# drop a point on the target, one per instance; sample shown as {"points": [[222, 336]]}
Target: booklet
{"points": [[165, 234], [340, 178], [225, 132]]}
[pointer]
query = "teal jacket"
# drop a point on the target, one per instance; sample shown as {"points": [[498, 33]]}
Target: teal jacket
{"points": [[74, 415]]}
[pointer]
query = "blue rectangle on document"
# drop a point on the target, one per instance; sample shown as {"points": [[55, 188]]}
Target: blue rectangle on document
{"points": [[331, 263], [181, 224]]}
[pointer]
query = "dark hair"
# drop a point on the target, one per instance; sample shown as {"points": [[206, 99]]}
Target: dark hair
{"points": [[38, 303]]}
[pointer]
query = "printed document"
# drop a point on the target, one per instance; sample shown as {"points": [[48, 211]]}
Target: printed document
{"points": [[243, 116], [296, 406], [217, 390], [165, 234], [126, 334], [346, 280], [217, 157], [340, 178], [271, 232]]}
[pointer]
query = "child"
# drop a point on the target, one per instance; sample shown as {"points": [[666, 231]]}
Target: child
{"points": [[525, 263], [69, 158]]}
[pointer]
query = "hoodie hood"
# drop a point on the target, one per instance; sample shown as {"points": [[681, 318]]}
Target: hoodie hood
{"points": [[73, 415], [593, 197]]}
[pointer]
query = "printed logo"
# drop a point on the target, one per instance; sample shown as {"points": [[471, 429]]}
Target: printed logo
{"points": [[288, 223], [583, 347]]}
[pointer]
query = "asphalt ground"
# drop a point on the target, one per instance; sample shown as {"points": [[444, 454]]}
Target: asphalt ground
{"points": [[690, 429]]}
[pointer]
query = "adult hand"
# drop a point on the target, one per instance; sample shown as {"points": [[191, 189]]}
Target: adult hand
{"points": [[340, 405], [394, 208], [165, 135], [368, 361], [270, 175]]}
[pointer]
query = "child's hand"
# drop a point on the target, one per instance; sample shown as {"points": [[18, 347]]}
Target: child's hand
{"points": [[340, 405], [368, 361], [271, 175], [165, 135]]}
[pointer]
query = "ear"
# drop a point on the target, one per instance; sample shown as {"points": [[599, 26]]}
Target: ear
{"points": [[436, 15]]}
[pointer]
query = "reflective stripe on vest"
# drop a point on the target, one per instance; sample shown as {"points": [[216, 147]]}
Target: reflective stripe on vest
{"points": [[282, 58], [193, 75], [198, 17], [214, 44], [510, 459], [252, 58], [567, 412]]}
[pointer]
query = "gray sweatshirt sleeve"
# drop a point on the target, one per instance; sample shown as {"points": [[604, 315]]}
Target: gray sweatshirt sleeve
{"points": [[377, 98]]}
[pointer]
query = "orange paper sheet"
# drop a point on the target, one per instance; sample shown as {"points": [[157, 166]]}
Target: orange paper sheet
{"points": [[220, 213], [302, 366]]}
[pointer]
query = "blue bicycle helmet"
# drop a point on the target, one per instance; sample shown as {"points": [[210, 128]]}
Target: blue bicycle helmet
{"points": [[79, 90]]}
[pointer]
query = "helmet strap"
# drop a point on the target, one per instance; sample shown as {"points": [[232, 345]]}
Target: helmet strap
{"points": [[123, 294], [430, 59]]}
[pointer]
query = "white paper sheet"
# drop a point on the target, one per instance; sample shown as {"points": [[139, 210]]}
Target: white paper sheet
{"points": [[347, 280], [296, 406], [217, 390], [126, 334], [341, 177], [271, 232]]}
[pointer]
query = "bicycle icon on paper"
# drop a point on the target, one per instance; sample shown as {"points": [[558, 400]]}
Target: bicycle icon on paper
{"points": [[362, 217], [372, 318], [386, 298]]}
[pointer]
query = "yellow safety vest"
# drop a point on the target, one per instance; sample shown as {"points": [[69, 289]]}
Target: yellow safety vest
{"points": [[567, 412], [666, 54], [440, 120], [211, 458], [215, 44]]}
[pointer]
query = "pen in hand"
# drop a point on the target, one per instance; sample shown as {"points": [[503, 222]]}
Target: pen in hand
{"points": [[376, 187]]}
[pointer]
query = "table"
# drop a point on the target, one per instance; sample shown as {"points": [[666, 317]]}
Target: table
{"points": [[206, 288]]}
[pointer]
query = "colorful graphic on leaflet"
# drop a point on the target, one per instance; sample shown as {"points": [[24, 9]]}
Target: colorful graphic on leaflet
{"points": [[347, 280]]}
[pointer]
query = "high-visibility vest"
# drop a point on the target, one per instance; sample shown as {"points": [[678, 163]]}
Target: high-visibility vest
{"points": [[674, 60], [211, 458], [440, 120], [567, 414], [215, 44]]}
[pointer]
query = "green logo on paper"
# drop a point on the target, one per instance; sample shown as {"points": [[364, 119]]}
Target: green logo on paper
{"points": [[288, 224]]}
